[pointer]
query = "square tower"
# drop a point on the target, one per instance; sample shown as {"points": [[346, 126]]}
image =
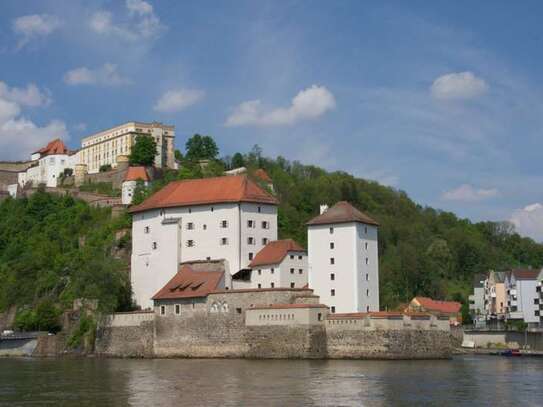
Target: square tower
{"points": [[343, 259]]}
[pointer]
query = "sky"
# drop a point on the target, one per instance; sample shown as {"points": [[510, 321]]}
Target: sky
{"points": [[440, 99]]}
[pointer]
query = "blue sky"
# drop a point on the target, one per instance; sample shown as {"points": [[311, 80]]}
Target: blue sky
{"points": [[440, 99]]}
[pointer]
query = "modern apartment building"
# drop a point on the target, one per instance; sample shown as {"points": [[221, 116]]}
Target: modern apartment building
{"points": [[104, 147], [522, 295]]}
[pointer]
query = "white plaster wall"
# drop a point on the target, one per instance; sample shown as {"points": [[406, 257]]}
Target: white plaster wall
{"points": [[51, 167], [367, 275], [288, 263], [526, 293], [286, 316], [249, 211]]}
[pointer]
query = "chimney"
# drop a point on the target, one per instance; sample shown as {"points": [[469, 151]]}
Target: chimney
{"points": [[323, 208]]}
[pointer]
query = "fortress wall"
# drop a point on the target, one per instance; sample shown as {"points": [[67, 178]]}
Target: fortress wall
{"points": [[125, 335]]}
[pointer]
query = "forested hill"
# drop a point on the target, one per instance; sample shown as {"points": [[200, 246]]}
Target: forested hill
{"points": [[423, 251]]}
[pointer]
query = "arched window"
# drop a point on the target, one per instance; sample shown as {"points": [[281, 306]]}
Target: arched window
{"points": [[214, 307]]}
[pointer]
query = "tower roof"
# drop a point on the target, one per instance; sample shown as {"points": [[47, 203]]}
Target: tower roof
{"points": [[236, 188], [136, 173], [342, 212], [274, 252], [53, 147]]}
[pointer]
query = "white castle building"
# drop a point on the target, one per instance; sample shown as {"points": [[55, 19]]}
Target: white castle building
{"points": [[224, 218], [343, 259]]}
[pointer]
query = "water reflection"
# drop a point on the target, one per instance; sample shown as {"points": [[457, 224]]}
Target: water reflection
{"points": [[462, 381]]}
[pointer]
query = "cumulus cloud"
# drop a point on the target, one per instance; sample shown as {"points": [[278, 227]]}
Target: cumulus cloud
{"points": [[468, 193], [106, 75], [528, 221], [19, 136], [140, 22], [176, 100], [461, 85], [308, 104], [34, 26]]}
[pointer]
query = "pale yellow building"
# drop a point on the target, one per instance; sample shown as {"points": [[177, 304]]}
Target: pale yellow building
{"points": [[104, 147]]}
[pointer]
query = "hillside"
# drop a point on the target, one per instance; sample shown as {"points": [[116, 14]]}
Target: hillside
{"points": [[55, 249]]}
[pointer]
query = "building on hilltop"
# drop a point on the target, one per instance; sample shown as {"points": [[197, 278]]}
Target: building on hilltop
{"points": [[343, 259], [104, 147], [133, 175], [280, 264], [450, 308], [228, 218]]}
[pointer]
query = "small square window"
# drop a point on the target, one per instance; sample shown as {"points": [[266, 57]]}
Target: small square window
{"points": [[367, 277], [224, 224], [300, 271], [162, 310], [272, 285], [259, 285], [367, 293], [265, 224], [190, 243], [367, 308], [291, 271], [250, 240], [224, 241], [331, 231], [365, 229], [300, 257], [333, 309], [250, 223], [367, 261], [204, 227], [264, 241], [259, 272], [332, 276], [291, 285], [155, 245], [259, 209], [332, 260], [177, 309], [333, 292], [147, 229], [190, 226], [272, 271], [251, 256], [366, 245], [331, 245], [291, 257]]}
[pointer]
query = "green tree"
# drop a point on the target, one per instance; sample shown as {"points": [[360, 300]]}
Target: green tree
{"points": [[237, 161], [178, 155], [201, 148], [144, 151]]}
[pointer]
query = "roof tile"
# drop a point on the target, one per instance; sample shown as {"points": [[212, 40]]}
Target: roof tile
{"points": [[342, 212], [274, 252]]}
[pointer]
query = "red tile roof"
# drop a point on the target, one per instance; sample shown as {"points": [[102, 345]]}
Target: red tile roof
{"points": [[136, 173], [235, 188], [446, 307], [525, 274], [263, 175], [342, 212], [188, 283], [54, 147], [274, 252], [288, 306]]}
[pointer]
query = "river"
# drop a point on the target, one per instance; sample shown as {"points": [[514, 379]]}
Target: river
{"points": [[466, 380]]}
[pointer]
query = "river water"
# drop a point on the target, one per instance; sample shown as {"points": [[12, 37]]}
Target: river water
{"points": [[466, 380]]}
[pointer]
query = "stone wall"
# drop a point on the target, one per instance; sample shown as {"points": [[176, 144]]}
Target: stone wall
{"points": [[125, 335], [15, 166], [7, 178], [50, 345]]}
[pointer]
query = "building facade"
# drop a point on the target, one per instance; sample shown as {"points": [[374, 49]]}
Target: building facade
{"points": [[495, 297], [343, 259], [228, 218], [104, 147], [477, 299], [280, 264], [522, 296], [133, 175]]}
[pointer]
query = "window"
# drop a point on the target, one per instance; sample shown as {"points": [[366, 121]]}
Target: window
{"points": [[259, 272], [300, 257], [250, 240], [332, 245], [224, 241], [332, 276], [367, 292], [367, 277], [272, 285], [190, 243], [224, 224], [536, 301], [264, 241], [154, 245], [250, 223], [291, 271], [259, 209], [291, 257], [333, 309], [190, 226], [365, 229], [272, 271], [238, 310], [204, 227], [331, 231], [319, 316], [291, 285], [332, 260], [177, 309], [162, 310], [265, 224], [366, 245], [300, 271], [367, 261], [146, 229], [367, 308], [333, 292], [190, 210], [259, 285], [251, 256]]}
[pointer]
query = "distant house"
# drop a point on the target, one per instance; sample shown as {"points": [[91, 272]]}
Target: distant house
{"points": [[522, 295], [280, 264], [450, 308], [133, 175], [477, 299], [495, 298]]}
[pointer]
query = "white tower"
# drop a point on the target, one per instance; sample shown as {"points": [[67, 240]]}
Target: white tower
{"points": [[343, 259]]}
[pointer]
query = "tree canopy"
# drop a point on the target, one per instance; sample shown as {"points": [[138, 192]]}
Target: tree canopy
{"points": [[201, 148], [144, 151]]}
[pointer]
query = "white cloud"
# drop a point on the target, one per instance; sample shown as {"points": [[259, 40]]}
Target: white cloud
{"points": [[34, 26], [176, 100], [467, 193], [19, 136], [528, 221], [141, 22], [460, 85], [106, 75], [308, 104]]}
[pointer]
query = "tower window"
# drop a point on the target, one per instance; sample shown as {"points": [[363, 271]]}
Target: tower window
{"points": [[333, 292], [333, 309], [332, 276], [332, 260], [331, 231], [331, 245]]}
